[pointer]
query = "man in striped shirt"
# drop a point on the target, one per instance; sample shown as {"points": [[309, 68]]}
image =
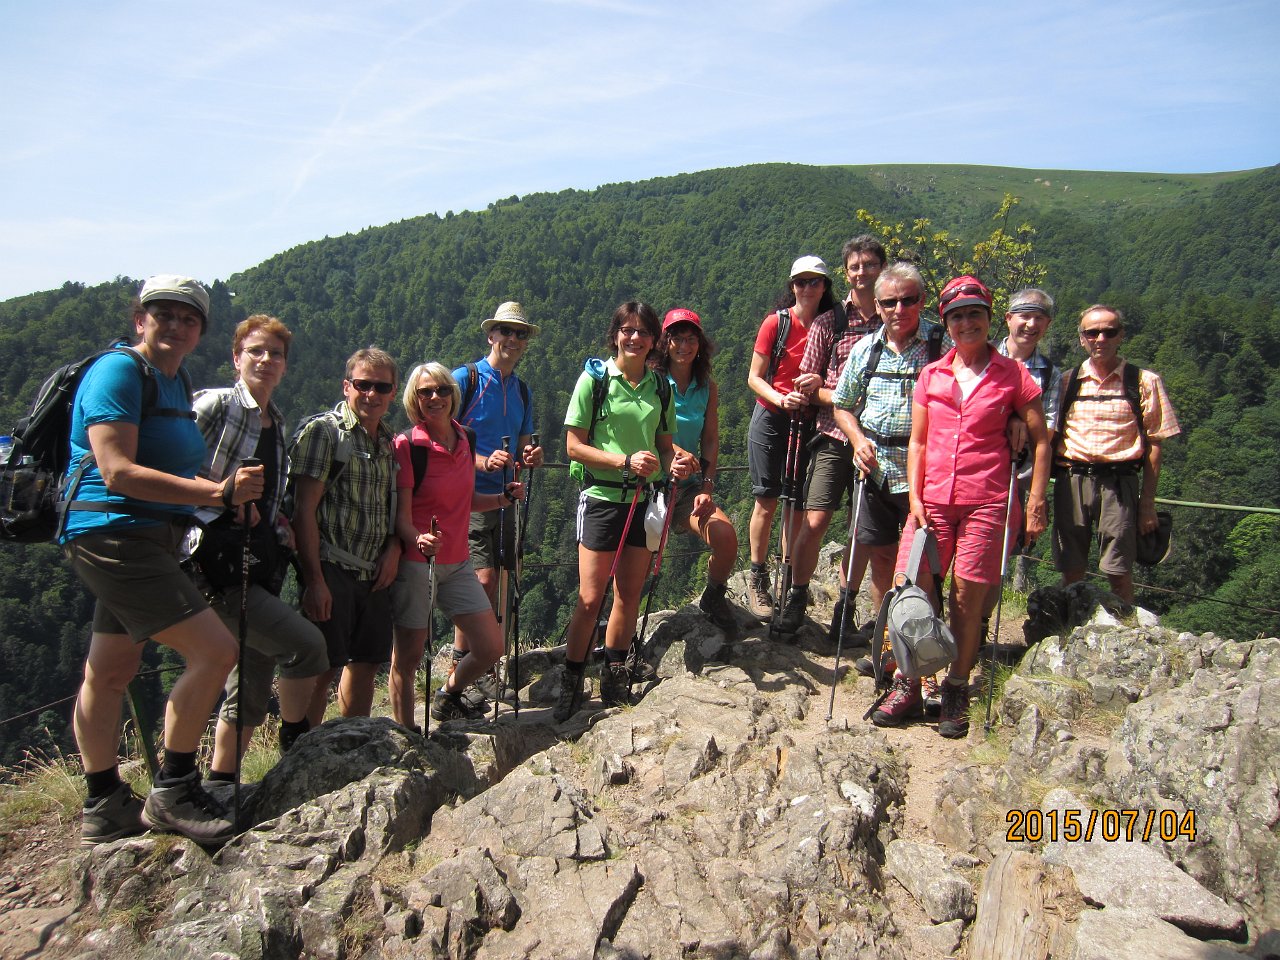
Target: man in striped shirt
{"points": [[1107, 457]]}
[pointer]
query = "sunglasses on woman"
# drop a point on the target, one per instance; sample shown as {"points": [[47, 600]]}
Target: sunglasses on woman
{"points": [[430, 393], [803, 282]]}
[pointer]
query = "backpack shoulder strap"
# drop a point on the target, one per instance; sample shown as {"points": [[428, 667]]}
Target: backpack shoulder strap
{"points": [[923, 545], [935, 343], [841, 323], [418, 457], [873, 364], [1133, 393], [524, 393], [779, 343], [469, 392], [599, 393], [664, 398]]}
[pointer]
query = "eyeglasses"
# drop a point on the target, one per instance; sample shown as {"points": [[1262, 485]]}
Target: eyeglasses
{"points": [[427, 393], [520, 333], [1106, 333], [686, 339], [863, 266], [261, 353], [635, 332], [380, 387], [803, 282], [893, 302]]}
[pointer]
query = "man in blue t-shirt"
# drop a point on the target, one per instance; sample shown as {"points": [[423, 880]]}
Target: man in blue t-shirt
{"points": [[496, 403]]}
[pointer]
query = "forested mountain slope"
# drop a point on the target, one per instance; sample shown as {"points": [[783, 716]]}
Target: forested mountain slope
{"points": [[1194, 260]]}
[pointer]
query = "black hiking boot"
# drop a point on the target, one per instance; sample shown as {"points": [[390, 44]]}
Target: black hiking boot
{"points": [[715, 604], [570, 699], [792, 618], [184, 806]]}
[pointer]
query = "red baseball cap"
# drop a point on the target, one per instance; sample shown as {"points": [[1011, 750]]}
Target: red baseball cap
{"points": [[963, 291], [680, 315]]}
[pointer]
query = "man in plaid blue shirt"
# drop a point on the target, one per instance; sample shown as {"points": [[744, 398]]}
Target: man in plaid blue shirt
{"points": [[872, 406]]}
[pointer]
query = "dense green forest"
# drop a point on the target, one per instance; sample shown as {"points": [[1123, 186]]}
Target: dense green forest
{"points": [[1194, 261]]}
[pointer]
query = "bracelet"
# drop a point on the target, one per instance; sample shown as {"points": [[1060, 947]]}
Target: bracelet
{"points": [[709, 482]]}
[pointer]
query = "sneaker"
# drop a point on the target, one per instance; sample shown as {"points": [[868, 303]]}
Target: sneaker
{"points": [[113, 817], [932, 692], [953, 717], [759, 599], [615, 684], [792, 618], [715, 605], [570, 701], [902, 703], [184, 806], [452, 706]]}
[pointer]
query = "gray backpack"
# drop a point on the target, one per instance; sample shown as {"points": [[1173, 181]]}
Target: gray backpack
{"points": [[921, 640]]}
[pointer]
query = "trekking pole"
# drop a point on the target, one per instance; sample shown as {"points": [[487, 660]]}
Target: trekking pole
{"points": [[429, 641], [246, 557], [617, 556], [638, 642], [504, 584], [789, 465], [522, 526], [849, 596], [1004, 566]]}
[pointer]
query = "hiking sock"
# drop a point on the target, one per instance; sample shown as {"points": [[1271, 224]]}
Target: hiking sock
{"points": [[291, 730], [612, 656], [103, 783], [575, 667], [799, 591], [217, 776], [177, 764], [758, 569]]}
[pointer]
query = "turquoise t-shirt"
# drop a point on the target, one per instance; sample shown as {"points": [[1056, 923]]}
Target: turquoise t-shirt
{"points": [[111, 391], [691, 414], [629, 420]]}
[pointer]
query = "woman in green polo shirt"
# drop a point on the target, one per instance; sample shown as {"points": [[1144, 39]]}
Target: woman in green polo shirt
{"points": [[622, 444]]}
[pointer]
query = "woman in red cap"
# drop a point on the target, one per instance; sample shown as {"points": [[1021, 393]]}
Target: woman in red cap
{"points": [[684, 356], [958, 464]]}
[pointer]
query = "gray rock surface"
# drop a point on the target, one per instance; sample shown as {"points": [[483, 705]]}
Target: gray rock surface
{"points": [[926, 873], [1119, 934]]}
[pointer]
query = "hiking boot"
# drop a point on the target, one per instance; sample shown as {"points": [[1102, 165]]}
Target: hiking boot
{"points": [[867, 667], [290, 732], [932, 691], [642, 671], [113, 817], [570, 700], [902, 703], [615, 684], [792, 618], [184, 806], [490, 687], [953, 717], [453, 706], [715, 605], [833, 631], [759, 599]]}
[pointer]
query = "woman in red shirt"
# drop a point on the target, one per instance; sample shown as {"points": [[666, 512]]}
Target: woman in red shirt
{"points": [[958, 466]]}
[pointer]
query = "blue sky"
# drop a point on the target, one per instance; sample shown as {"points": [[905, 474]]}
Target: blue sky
{"points": [[145, 137]]}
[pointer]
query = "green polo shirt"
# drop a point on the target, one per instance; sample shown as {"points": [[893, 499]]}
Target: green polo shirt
{"points": [[628, 423]]}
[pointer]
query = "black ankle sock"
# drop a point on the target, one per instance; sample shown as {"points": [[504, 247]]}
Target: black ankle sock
{"points": [[799, 589], [458, 654], [217, 776], [757, 568], [291, 730], [177, 765], [578, 667], [614, 656], [103, 783]]}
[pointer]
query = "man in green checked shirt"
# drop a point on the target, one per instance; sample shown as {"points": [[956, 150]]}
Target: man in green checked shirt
{"points": [[344, 478]]}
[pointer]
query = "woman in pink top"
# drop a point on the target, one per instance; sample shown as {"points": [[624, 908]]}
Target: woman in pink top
{"points": [[441, 495], [958, 464]]}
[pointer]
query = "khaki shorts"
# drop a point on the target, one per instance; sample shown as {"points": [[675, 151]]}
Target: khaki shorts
{"points": [[831, 475], [1109, 501], [483, 534], [134, 575]]}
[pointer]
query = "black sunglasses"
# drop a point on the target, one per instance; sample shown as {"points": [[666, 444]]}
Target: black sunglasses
{"points": [[892, 302], [1106, 333], [377, 386], [520, 333], [803, 282], [427, 393]]}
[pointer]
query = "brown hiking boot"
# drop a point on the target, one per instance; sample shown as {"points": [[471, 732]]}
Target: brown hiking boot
{"points": [[615, 684], [570, 700], [759, 599], [953, 717]]}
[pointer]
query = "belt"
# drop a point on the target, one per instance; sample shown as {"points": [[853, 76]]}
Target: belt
{"points": [[337, 555], [1082, 468], [882, 440]]}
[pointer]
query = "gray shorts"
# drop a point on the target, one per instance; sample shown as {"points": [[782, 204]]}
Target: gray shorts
{"points": [[134, 575], [767, 439], [483, 534], [831, 475], [278, 634], [458, 592]]}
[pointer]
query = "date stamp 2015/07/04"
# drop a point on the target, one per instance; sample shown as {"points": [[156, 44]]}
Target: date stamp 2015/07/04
{"points": [[1110, 825]]}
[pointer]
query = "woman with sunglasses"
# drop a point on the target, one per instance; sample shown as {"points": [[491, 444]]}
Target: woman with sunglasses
{"points": [[616, 449], [958, 473], [782, 399], [135, 451], [684, 355], [436, 484]]}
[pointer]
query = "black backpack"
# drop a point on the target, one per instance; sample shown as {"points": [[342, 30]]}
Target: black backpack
{"points": [[933, 346], [784, 330], [32, 486], [1132, 380]]}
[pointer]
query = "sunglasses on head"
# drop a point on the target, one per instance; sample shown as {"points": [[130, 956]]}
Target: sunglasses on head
{"points": [[892, 302], [377, 386], [520, 333], [803, 282], [964, 290], [1106, 333], [427, 393]]}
